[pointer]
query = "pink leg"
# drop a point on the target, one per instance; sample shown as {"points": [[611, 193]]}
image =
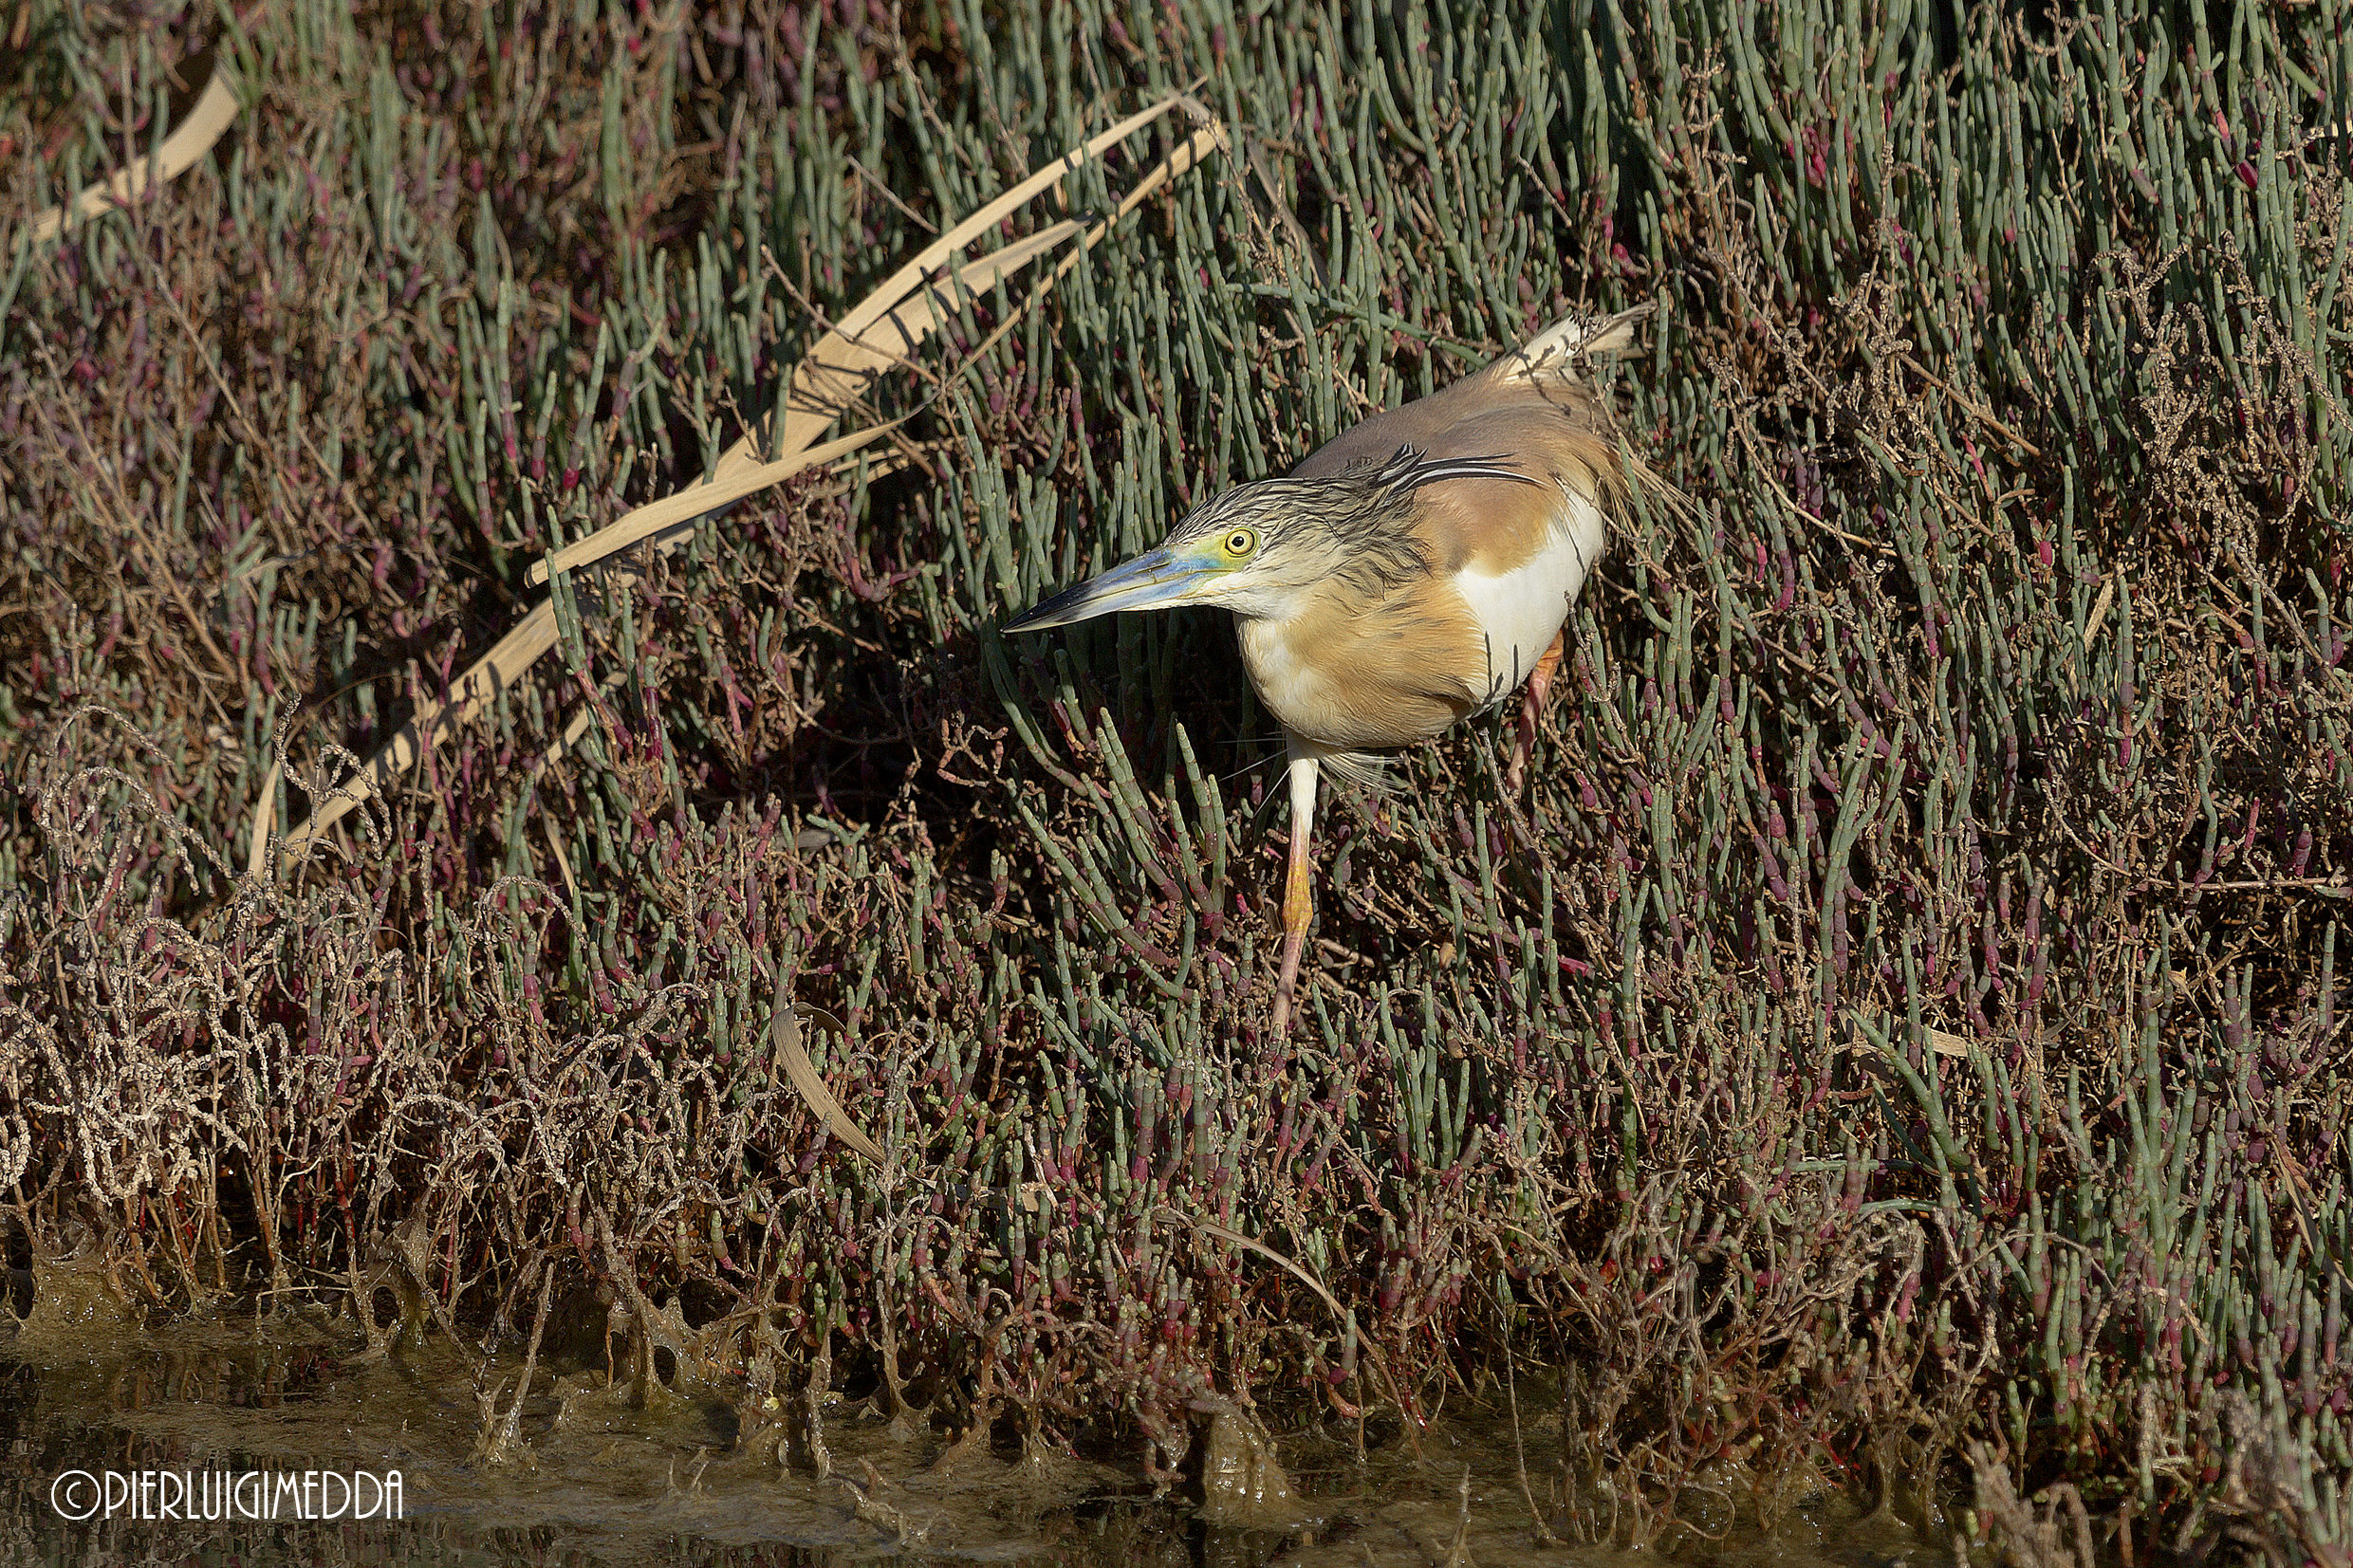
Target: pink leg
{"points": [[1298, 903], [1539, 685]]}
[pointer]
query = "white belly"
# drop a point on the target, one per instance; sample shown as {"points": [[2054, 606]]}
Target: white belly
{"points": [[1521, 611]]}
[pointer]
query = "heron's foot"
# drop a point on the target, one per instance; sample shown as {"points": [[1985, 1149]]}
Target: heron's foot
{"points": [[1298, 903], [1515, 774], [1531, 710], [1286, 982], [1298, 913]]}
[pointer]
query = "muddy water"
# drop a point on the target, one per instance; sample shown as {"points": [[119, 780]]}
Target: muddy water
{"points": [[598, 1483]]}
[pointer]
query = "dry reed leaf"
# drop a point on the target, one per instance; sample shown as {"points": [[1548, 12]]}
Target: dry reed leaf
{"points": [[472, 693], [265, 814], [1945, 1044], [572, 732], [191, 140], [844, 362], [555, 841], [1941, 1042], [1297, 1271], [802, 1073], [2099, 612], [839, 367], [1037, 1198], [1372, 1353], [669, 520], [688, 504]]}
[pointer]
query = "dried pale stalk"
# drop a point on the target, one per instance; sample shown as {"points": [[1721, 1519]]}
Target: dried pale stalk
{"points": [[871, 339], [1248, 1244], [265, 814], [802, 1073], [689, 504], [474, 691], [189, 142], [894, 318]]}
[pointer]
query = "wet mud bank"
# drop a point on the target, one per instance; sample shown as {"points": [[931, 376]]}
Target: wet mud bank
{"points": [[584, 1466]]}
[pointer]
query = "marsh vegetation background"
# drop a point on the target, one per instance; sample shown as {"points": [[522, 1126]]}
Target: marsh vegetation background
{"points": [[1898, 1036]]}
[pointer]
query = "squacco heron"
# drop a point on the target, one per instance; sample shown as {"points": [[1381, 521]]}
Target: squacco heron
{"points": [[1418, 569]]}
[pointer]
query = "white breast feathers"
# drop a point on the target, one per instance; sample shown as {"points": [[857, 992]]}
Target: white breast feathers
{"points": [[1522, 608]]}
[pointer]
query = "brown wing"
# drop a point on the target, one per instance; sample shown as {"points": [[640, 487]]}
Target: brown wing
{"points": [[1546, 429]]}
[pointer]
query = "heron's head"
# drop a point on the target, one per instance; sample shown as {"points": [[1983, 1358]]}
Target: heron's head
{"points": [[1261, 549]]}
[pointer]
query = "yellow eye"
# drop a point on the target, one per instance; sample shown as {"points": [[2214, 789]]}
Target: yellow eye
{"points": [[1241, 542]]}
